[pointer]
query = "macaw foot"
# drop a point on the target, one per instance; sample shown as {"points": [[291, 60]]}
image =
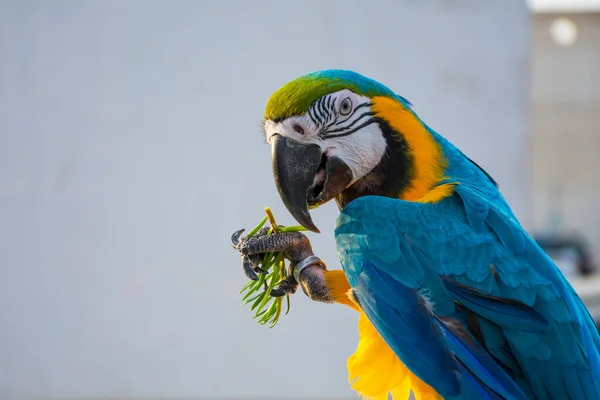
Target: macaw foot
{"points": [[305, 268], [294, 245], [250, 263]]}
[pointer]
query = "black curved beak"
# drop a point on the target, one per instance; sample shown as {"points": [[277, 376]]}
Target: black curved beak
{"points": [[305, 177]]}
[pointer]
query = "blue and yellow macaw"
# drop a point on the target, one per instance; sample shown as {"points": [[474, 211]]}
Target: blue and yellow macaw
{"points": [[456, 300]]}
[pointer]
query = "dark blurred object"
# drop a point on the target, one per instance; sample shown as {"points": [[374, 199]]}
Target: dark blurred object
{"points": [[571, 254]]}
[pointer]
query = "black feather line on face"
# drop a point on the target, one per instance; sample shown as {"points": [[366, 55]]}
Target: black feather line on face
{"points": [[333, 110], [312, 116], [327, 133], [350, 132], [329, 108], [330, 124], [323, 109], [344, 131], [317, 113], [366, 104]]}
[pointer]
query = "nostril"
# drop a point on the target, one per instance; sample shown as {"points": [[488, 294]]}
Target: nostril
{"points": [[298, 129]]}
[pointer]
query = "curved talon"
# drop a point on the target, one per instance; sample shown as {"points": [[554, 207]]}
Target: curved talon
{"points": [[286, 287], [261, 271], [249, 269], [235, 238], [275, 289], [278, 292]]}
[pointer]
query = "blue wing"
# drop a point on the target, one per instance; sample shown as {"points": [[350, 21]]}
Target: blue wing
{"points": [[467, 300]]}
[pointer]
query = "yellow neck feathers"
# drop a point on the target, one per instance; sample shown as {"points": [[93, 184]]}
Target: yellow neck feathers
{"points": [[429, 162]]}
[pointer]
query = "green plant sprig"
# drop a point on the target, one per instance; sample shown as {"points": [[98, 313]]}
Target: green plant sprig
{"points": [[267, 309]]}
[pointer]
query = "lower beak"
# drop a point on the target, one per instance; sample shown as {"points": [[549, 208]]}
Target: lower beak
{"points": [[305, 177]]}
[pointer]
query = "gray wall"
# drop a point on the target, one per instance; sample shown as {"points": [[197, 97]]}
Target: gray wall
{"points": [[130, 149]]}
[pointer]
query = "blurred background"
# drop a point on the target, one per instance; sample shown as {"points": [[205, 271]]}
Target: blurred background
{"points": [[130, 150]]}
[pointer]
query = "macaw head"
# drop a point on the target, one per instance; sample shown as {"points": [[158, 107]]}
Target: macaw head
{"points": [[334, 134]]}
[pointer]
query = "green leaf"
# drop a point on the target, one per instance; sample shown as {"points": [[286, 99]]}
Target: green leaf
{"points": [[246, 286], [253, 289], [257, 227], [296, 228], [252, 299], [258, 301], [270, 312], [270, 287], [277, 312], [287, 300]]}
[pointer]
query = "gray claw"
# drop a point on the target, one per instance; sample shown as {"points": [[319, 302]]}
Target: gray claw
{"points": [[249, 269], [235, 238], [277, 292], [287, 286]]}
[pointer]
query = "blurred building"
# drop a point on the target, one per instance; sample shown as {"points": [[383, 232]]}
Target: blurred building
{"points": [[565, 120]]}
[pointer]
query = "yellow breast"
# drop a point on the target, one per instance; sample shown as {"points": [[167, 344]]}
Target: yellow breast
{"points": [[374, 371]]}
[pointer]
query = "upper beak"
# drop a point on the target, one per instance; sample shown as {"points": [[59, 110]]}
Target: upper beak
{"points": [[295, 169]]}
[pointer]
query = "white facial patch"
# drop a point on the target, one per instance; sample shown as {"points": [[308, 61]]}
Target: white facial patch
{"points": [[350, 134], [361, 150]]}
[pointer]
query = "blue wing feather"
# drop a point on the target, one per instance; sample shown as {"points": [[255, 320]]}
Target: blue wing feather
{"points": [[469, 251], [402, 319], [507, 313]]}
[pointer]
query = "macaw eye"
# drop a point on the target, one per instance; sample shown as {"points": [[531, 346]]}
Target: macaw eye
{"points": [[346, 106], [298, 129]]}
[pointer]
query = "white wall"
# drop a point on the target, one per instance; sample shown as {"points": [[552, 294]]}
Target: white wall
{"points": [[130, 150]]}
